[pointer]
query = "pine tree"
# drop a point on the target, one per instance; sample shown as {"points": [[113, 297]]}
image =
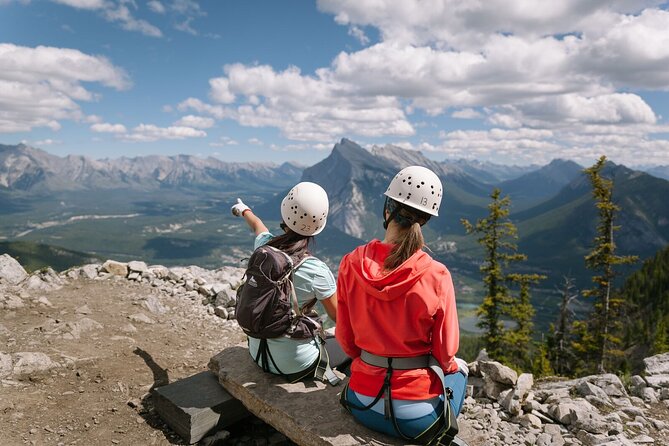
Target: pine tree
{"points": [[559, 338], [518, 339], [601, 344], [496, 234]]}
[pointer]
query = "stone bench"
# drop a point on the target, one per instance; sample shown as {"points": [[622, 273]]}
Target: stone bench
{"points": [[307, 412]]}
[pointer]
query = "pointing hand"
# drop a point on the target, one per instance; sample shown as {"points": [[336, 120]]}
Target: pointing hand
{"points": [[239, 208]]}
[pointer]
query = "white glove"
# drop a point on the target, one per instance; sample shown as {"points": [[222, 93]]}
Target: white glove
{"points": [[462, 366], [239, 208]]}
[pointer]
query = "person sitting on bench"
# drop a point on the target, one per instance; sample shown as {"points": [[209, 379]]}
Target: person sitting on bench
{"points": [[397, 319]]}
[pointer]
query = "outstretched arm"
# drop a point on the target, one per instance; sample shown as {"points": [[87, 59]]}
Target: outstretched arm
{"points": [[254, 222]]}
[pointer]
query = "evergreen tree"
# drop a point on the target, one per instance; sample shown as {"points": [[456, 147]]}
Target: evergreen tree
{"points": [[518, 339], [496, 234], [541, 364], [600, 345], [559, 346]]}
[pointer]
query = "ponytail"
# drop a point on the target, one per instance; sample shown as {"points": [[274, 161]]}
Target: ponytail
{"points": [[411, 236], [410, 242]]}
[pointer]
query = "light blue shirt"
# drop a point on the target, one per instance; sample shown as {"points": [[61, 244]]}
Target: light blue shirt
{"points": [[312, 279]]}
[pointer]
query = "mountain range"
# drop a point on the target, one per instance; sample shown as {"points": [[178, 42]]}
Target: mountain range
{"points": [[551, 205], [28, 169]]}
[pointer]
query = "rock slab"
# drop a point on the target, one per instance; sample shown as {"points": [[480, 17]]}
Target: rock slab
{"points": [[11, 270], [197, 405], [307, 412]]}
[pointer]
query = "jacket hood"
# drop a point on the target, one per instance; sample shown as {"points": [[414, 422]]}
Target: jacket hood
{"points": [[367, 266]]}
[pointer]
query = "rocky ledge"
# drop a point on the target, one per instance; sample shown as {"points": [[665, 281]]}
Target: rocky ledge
{"points": [[501, 408]]}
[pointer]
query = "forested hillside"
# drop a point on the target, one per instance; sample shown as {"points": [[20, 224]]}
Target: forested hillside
{"points": [[647, 293]]}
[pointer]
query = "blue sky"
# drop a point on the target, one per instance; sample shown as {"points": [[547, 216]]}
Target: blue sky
{"points": [[514, 82]]}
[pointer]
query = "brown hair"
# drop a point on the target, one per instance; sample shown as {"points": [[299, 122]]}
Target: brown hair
{"points": [[411, 236], [292, 243]]}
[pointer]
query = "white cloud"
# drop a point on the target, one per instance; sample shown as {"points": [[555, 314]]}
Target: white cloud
{"points": [[83, 4], [187, 7], [41, 86], [198, 122], [47, 142], [150, 133], [561, 69], [299, 147], [186, 27], [220, 91], [121, 13], [572, 109], [108, 128], [255, 141], [156, 6], [305, 108], [359, 35], [216, 111], [117, 11], [93, 119], [224, 141], [466, 113]]}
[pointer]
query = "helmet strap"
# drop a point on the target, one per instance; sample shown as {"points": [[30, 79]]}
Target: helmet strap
{"points": [[395, 212]]}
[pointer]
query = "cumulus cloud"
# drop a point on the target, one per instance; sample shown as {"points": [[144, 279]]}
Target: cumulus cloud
{"points": [[548, 71], [156, 6], [150, 133], [83, 4], [46, 142], [104, 127], [117, 11], [199, 106], [197, 122], [358, 34], [307, 108], [43, 85], [466, 113], [224, 141]]}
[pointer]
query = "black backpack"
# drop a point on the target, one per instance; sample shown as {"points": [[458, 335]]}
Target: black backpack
{"points": [[266, 302]]}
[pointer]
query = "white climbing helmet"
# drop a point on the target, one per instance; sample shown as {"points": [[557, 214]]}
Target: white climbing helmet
{"points": [[417, 187], [305, 209]]}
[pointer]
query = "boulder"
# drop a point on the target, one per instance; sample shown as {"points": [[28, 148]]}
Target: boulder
{"points": [[30, 364], [45, 280], [608, 382], [588, 420], [499, 373], [89, 271], [523, 386], [11, 271], [658, 380], [83, 325], [657, 365], [137, 266], [154, 305], [115, 268], [586, 389]]}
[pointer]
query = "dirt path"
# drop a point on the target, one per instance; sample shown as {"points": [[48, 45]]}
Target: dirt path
{"points": [[109, 360]]}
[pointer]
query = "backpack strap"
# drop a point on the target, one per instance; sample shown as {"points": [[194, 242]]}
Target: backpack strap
{"points": [[293, 297], [323, 370]]}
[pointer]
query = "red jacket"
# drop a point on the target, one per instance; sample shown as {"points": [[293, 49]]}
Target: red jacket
{"points": [[409, 311]]}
